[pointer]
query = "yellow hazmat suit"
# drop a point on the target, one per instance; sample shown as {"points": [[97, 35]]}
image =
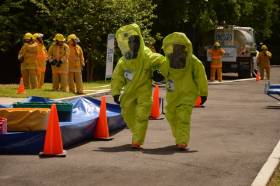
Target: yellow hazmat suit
{"points": [[28, 58], [263, 61], [76, 63], [41, 59], [133, 73], [186, 80], [58, 56]]}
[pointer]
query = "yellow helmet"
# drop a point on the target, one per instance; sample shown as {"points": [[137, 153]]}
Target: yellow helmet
{"points": [[59, 37], [217, 44], [28, 36], [264, 47], [38, 35], [72, 36]]}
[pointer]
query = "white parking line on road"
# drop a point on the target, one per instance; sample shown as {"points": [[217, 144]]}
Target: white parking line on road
{"points": [[229, 81]]}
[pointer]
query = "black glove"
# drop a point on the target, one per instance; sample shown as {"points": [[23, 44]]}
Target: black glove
{"points": [[203, 99], [21, 60], [58, 63], [157, 76], [53, 62], [116, 99]]}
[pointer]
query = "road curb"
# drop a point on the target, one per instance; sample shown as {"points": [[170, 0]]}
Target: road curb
{"points": [[266, 172], [94, 94], [229, 81]]}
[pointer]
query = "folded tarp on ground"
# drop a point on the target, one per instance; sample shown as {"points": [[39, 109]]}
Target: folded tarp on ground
{"points": [[26, 119], [84, 117]]}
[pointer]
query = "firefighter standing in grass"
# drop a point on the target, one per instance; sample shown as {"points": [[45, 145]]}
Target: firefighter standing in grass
{"points": [[263, 61], [216, 54], [76, 64], [41, 59], [58, 54], [28, 59]]}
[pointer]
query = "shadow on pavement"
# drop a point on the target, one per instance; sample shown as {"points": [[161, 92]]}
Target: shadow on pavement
{"points": [[157, 151], [166, 150], [122, 148]]}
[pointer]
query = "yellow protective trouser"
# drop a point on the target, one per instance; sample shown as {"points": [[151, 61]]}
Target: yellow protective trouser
{"points": [[41, 78], [136, 113], [179, 119], [75, 78], [213, 74], [267, 70], [29, 78], [60, 81]]}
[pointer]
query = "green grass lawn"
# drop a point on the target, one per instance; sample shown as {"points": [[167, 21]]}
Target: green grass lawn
{"points": [[10, 90], [275, 180]]}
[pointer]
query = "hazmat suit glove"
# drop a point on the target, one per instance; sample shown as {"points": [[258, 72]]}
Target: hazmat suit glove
{"points": [[203, 99], [157, 76], [116, 99]]}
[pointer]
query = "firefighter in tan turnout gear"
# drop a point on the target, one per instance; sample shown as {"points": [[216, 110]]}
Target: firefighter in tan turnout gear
{"points": [[58, 57], [41, 59], [28, 59], [76, 64]]}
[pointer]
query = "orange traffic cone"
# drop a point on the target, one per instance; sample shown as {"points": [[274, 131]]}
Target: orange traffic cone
{"points": [[155, 112], [258, 78], [101, 130], [21, 89], [53, 145], [198, 102]]}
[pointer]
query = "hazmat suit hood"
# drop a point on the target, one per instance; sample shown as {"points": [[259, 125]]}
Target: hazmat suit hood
{"points": [[189, 80], [178, 38], [130, 41], [138, 76]]}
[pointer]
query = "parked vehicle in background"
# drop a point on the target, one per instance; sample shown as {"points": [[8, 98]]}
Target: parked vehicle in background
{"points": [[240, 49]]}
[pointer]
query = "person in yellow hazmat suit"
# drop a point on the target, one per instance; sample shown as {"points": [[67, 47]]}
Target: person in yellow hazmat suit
{"points": [[41, 59], [185, 80], [76, 64], [58, 54], [216, 54], [263, 61], [133, 73], [28, 59]]}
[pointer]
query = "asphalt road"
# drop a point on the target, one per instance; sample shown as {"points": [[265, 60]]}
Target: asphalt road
{"points": [[231, 138]]}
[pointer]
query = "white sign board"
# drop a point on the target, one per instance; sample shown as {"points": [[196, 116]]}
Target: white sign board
{"points": [[229, 56], [110, 55]]}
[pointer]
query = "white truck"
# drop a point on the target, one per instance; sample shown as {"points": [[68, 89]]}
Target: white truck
{"points": [[240, 49]]}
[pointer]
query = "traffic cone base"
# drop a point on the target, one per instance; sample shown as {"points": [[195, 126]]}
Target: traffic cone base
{"points": [[101, 131], [62, 155]]}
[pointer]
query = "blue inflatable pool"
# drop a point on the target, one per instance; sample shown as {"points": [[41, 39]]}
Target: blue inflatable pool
{"points": [[84, 118]]}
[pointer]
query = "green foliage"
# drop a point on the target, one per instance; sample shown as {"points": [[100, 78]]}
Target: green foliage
{"points": [[204, 15], [90, 20]]}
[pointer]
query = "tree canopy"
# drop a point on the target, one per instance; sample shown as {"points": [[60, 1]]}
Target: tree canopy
{"points": [[92, 20]]}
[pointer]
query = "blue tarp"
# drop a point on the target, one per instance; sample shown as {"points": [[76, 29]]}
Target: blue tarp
{"points": [[84, 117]]}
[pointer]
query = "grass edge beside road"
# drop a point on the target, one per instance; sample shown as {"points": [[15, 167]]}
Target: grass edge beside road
{"points": [[275, 178], [10, 90]]}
